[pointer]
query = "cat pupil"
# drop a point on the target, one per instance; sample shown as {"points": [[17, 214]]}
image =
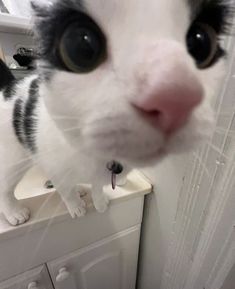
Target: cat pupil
{"points": [[202, 45], [82, 48]]}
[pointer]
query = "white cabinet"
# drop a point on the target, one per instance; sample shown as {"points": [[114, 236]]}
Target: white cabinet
{"points": [[99, 251], [108, 264], [33, 279]]}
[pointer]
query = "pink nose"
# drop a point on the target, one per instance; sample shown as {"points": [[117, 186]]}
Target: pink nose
{"points": [[173, 95]]}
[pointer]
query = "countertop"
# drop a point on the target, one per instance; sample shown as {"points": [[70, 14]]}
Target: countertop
{"points": [[46, 205]]}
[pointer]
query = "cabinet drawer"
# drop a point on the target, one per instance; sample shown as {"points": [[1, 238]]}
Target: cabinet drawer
{"points": [[110, 263], [35, 279]]}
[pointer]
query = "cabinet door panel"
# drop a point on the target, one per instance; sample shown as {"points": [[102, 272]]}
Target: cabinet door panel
{"points": [[110, 263], [108, 266], [34, 279]]}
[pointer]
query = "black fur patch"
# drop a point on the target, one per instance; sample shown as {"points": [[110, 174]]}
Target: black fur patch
{"points": [[50, 22], [10, 90], [216, 13], [6, 77], [18, 120], [30, 118], [25, 119]]}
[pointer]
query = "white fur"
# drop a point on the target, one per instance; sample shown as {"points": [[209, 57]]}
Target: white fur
{"points": [[98, 105]]}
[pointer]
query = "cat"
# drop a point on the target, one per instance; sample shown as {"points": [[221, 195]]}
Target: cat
{"points": [[128, 80]]}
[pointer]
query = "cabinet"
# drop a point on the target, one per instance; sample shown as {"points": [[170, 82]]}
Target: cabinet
{"points": [[110, 263], [99, 251], [34, 279]]}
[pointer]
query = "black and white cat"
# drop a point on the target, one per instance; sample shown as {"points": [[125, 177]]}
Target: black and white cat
{"points": [[128, 80]]}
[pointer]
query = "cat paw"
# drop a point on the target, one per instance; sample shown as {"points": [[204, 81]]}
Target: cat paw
{"points": [[17, 216], [77, 209], [101, 204]]}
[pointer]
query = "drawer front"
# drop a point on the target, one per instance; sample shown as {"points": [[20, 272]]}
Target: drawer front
{"points": [[110, 263], [34, 279]]}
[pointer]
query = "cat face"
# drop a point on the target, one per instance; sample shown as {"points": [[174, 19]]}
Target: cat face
{"points": [[131, 80]]}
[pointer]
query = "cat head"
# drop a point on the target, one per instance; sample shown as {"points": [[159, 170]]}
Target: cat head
{"points": [[132, 80]]}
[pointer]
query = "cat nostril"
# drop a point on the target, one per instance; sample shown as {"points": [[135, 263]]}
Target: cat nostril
{"points": [[153, 113], [168, 110]]}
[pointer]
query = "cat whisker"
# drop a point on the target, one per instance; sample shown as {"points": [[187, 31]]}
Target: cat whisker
{"points": [[14, 174], [75, 128], [203, 164], [216, 149], [64, 117], [226, 113], [29, 158], [48, 198], [55, 211], [220, 129], [224, 132]]}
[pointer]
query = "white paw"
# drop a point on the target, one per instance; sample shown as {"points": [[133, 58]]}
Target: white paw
{"points": [[17, 216], [77, 209], [101, 204]]}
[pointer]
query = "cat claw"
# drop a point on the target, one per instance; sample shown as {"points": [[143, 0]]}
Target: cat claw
{"points": [[101, 204], [77, 209], [18, 216]]}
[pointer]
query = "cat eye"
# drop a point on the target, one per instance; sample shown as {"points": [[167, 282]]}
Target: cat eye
{"points": [[202, 44], [82, 46]]}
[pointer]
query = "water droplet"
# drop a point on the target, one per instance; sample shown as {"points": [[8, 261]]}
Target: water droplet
{"points": [[218, 162]]}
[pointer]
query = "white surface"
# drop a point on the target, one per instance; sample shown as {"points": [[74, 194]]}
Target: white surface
{"points": [[21, 73], [230, 280], [33, 185], [15, 24], [110, 263], [39, 276], [18, 8], [42, 204], [161, 207]]}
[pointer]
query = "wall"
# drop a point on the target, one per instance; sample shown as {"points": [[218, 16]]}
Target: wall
{"points": [[230, 281], [168, 178]]}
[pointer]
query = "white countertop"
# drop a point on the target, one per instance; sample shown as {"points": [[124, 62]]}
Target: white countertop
{"points": [[46, 205]]}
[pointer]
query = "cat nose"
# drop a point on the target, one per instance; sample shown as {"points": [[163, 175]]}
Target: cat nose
{"points": [[168, 108], [175, 91]]}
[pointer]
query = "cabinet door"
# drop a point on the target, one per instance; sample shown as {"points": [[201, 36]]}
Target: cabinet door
{"points": [[108, 264], [34, 279]]}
